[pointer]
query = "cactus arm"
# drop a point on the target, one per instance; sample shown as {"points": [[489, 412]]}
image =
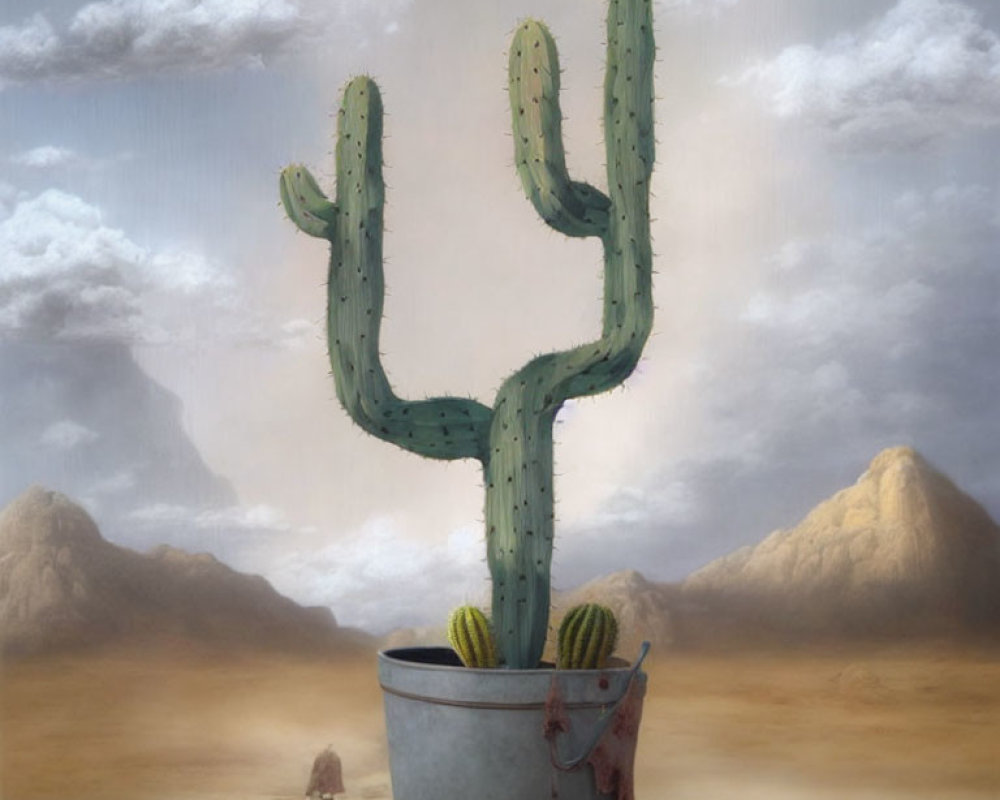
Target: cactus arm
{"points": [[570, 207], [622, 221], [305, 203], [628, 133], [444, 427], [630, 152]]}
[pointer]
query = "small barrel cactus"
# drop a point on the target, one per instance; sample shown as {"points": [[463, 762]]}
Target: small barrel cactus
{"points": [[469, 633], [587, 637]]}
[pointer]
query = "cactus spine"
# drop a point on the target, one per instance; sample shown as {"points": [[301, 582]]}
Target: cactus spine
{"points": [[470, 635], [587, 637], [513, 439]]}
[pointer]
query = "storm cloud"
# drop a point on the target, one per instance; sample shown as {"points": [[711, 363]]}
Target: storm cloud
{"points": [[925, 71], [69, 275], [114, 39], [854, 341]]}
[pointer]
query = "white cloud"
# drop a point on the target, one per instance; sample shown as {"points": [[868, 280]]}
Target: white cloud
{"points": [[67, 435], [125, 38], [250, 331], [866, 328], [23, 48], [817, 316], [379, 579], [116, 38], [671, 503], [260, 517], [57, 157], [297, 333], [375, 577], [257, 518], [45, 157], [68, 276], [926, 70], [870, 286]]}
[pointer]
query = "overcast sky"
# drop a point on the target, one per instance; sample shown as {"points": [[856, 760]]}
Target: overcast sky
{"points": [[826, 228]]}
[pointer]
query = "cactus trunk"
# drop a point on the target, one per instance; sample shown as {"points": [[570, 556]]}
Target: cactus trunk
{"points": [[513, 439], [519, 521]]}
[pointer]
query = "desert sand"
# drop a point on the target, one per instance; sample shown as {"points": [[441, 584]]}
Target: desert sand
{"points": [[180, 723]]}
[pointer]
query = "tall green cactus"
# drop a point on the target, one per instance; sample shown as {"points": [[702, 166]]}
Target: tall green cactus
{"points": [[513, 439]]}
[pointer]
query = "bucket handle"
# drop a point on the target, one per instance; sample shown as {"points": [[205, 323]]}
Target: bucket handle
{"points": [[601, 726]]}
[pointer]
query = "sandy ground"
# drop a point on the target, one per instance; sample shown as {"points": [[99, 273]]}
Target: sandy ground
{"points": [[166, 725]]}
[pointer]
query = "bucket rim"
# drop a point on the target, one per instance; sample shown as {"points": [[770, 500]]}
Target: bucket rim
{"points": [[391, 656]]}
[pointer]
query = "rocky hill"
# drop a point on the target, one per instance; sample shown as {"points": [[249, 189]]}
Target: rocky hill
{"points": [[643, 608], [87, 419], [901, 552], [62, 585]]}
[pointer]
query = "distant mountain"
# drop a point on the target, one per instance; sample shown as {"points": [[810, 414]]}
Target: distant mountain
{"points": [[88, 421], [643, 609], [901, 552], [62, 585]]}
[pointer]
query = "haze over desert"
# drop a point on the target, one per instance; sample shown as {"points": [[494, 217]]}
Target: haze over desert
{"points": [[876, 723], [163, 676]]}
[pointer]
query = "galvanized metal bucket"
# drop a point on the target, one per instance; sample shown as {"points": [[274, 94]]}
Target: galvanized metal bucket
{"points": [[479, 734]]}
